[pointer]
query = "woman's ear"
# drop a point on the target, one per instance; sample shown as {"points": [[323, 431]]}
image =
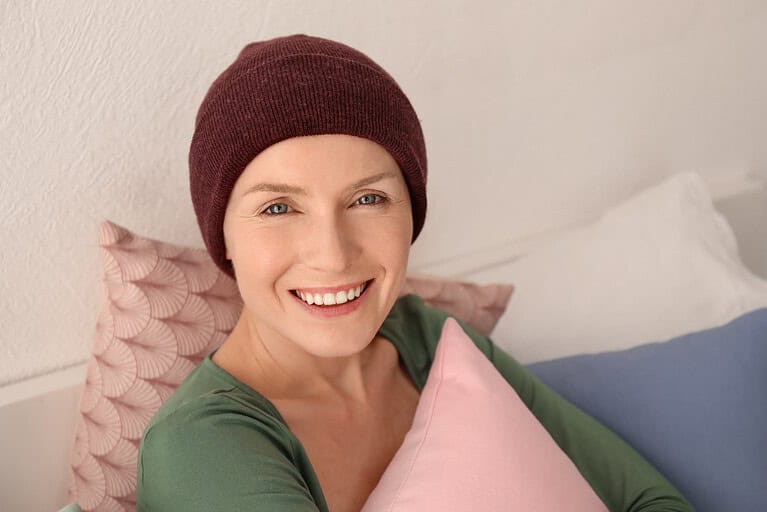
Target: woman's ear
{"points": [[226, 248]]}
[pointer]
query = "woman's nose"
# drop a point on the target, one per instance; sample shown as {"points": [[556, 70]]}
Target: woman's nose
{"points": [[331, 244]]}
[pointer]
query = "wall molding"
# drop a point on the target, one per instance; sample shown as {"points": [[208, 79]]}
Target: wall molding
{"points": [[32, 387]]}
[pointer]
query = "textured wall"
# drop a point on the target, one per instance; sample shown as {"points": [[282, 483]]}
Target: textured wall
{"points": [[536, 113]]}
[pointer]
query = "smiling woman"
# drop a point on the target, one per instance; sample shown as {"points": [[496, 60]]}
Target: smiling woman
{"points": [[344, 226], [308, 179]]}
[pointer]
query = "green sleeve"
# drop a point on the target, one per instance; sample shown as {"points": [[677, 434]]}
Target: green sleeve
{"points": [[212, 455], [621, 477]]}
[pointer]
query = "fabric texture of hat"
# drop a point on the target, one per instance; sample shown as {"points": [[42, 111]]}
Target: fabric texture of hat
{"points": [[288, 87]]}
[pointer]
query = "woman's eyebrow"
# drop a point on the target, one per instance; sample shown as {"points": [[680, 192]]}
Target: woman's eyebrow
{"points": [[372, 179], [282, 188]]}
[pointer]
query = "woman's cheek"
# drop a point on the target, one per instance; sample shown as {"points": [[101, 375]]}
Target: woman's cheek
{"points": [[394, 230], [389, 237], [261, 250]]}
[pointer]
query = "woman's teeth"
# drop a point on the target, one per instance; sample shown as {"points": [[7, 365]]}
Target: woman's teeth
{"points": [[331, 299]]}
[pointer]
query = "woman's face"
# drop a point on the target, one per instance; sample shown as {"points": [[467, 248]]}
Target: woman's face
{"points": [[315, 216]]}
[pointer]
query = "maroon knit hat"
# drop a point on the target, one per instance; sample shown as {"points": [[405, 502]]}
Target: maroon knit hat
{"points": [[289, 87]]}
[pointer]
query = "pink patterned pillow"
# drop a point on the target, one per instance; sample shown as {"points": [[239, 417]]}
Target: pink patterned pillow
{"points": [[480, 306], [164, 308], [474, 445]]}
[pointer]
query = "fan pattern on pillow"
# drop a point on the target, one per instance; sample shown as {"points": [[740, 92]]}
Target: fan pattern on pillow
{"points": [[164, 308], [480, 306]]}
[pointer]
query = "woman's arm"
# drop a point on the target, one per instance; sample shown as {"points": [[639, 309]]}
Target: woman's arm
{"points": [[621, 477]]}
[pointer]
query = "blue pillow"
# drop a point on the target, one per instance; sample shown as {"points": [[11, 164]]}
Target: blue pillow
{"points": [[694, 406]]}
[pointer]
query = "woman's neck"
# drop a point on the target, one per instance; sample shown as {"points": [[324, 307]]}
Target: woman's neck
{"points": [[343, 380]]}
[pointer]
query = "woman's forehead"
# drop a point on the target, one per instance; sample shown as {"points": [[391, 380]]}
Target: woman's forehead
{"points": [[305, 162], [336, 146]]}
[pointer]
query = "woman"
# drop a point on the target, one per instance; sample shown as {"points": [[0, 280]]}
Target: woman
{"points": [[308, 174]]}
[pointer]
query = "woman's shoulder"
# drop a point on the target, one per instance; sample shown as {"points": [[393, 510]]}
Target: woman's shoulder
{"points": [[218, 450], [207, 421], [410, 315], [210, 428], [208, 395], [415, 328]]}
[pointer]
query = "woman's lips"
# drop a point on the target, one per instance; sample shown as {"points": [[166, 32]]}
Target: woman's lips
{"points": [[334, 289], [336, 309]]}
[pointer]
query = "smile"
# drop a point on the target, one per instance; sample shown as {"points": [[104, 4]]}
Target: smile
{"points": [[331, 298]]}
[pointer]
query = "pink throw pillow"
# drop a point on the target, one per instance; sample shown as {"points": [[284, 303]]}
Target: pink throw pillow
{"points": [[474, 445], [164, 307]]}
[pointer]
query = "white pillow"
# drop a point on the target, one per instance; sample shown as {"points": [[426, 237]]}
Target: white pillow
{"points": [[659, 265]]}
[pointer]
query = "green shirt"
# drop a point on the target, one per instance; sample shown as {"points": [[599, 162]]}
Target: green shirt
{"points": [[217, 444]]}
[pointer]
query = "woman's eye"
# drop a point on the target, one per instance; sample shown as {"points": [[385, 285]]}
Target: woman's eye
{"points": [[370, 199], [276, 209]]}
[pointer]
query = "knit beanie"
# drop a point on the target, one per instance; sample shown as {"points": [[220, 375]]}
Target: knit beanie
{"points": [[288, 87]]}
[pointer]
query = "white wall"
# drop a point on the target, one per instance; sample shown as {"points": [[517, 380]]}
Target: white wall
{"points": [[536, 114]]}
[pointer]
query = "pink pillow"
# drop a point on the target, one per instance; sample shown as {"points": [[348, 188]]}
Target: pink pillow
{"points": [[474, 445], [164, 307]]}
